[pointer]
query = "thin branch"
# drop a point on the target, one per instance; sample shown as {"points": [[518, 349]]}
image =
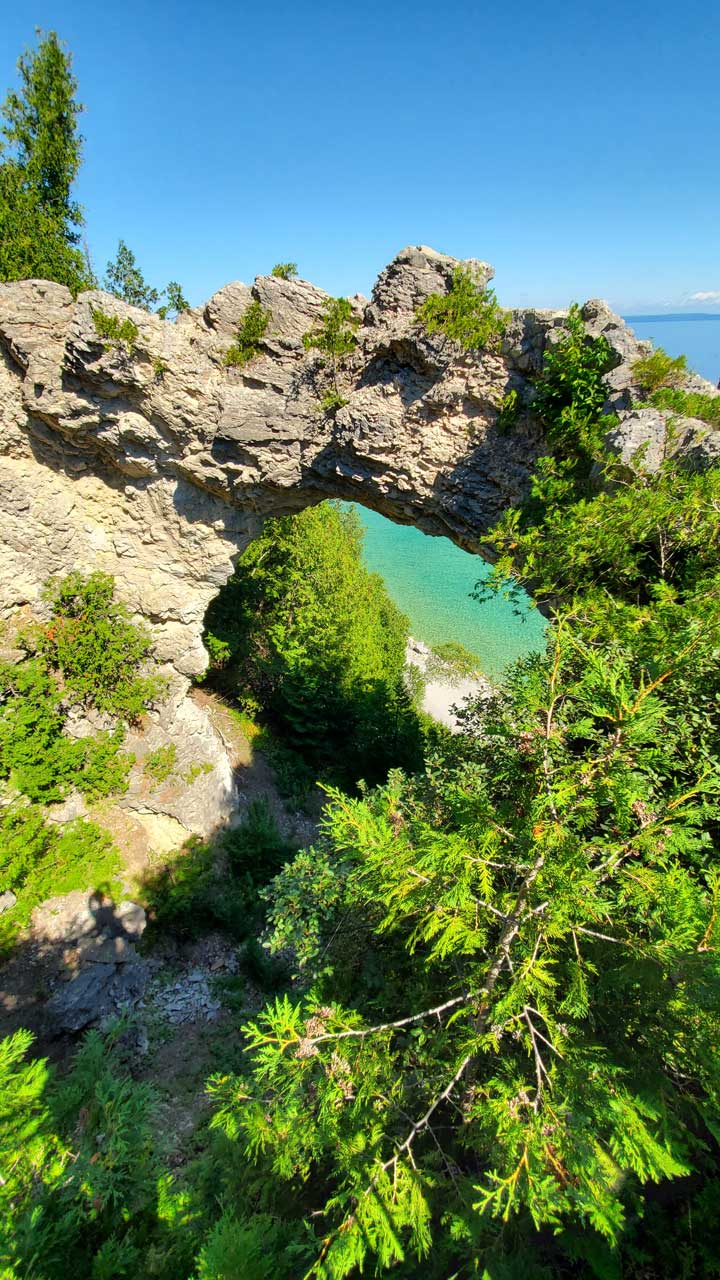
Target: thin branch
{"points": [[361, 1032]]}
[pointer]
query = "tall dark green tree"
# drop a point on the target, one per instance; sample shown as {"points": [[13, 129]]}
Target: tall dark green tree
{"points": [[40, 156]]}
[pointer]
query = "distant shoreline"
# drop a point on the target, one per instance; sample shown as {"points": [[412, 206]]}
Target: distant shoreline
{"points": [[675, 315]]}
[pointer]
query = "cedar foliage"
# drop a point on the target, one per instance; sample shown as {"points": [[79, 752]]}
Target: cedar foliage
{"points": [[467, 314], [511, 1034], [40, 155], [249, 336]]}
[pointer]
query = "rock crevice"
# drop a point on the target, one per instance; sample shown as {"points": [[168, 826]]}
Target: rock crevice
{"points": [[159, 464]]}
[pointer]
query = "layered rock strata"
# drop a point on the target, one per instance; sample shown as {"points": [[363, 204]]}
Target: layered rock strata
{"points": [[154, 461]]}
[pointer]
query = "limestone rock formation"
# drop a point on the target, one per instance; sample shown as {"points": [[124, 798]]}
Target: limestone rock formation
{"points": [[155, 462]]}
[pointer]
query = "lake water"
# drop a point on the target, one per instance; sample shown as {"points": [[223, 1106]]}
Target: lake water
{"points": [[699, 340], [431, 579]]}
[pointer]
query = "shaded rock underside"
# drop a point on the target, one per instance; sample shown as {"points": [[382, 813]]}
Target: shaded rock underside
{"points": [[159, 464]]}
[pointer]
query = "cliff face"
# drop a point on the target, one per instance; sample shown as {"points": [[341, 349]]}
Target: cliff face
{"points": [[159, 464]]}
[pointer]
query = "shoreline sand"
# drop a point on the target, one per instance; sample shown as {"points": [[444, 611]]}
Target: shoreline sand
{"points": [[442, 695]]}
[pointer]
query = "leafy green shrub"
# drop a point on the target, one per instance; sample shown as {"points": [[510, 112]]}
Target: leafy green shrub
{"points": [[87, 1193], [467, 313], [255, 847], [335, 338], [509, 410], [267, 972], [249, 336], [96, 648], [659, 370], [88, 653], [39, 859], [34, 753], [689, 404], [161, 762], [189, 895], [105, 767], [219, 652], [116, 330], [125, 280], [569, 399], [315, 640], [259, 1248], [284, 270], [160, 368], [332, 401], [176, 301]]}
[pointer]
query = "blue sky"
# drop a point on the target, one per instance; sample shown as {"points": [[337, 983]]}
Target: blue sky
{"points": [[573, 145]]}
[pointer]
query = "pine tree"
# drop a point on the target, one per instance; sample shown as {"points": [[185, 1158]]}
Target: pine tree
{"points": [[40, 157]]}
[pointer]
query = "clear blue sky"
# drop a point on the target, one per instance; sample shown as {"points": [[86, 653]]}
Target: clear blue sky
{"points": [[573, 144]]}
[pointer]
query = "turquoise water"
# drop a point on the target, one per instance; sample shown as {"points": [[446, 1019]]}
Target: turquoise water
{"points": [[431, 579]]}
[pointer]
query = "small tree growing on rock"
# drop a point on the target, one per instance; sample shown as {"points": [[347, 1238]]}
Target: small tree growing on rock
{"points": [[336, 340]]}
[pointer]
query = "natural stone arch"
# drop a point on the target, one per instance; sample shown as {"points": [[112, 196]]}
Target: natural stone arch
{"points": [[160, 466]]}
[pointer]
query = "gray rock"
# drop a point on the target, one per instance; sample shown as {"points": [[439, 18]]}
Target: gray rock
{"points": [[7, 900], [98, 991], [639, 440], [70, 809], [164, 479]]}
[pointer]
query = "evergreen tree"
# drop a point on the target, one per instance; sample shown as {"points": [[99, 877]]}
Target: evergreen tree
{"points": [[40, 157], [314, 639], [511, 1034], [125, 280]]}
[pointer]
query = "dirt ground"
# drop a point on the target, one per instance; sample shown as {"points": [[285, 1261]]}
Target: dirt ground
{"points": [[187, 1024]]}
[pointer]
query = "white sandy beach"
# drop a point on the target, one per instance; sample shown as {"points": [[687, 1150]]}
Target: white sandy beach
{"points": [[440, 695]]}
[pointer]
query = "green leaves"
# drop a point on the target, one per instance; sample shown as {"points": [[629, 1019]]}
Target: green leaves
{"points": [[285, 270], [468, 315], [334, 336], [305, 631], [115, 329], [249, 336], [39, 221], [659, 370], [96, 647]]}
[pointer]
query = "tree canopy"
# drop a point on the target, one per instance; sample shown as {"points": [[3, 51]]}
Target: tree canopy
{"points": [[40, 155]]}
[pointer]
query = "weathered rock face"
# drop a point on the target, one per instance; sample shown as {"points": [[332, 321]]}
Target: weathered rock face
{"points": [[159, 465]]}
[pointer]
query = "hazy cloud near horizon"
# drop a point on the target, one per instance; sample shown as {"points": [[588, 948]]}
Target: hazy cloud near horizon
{"points": [[706, 295]]}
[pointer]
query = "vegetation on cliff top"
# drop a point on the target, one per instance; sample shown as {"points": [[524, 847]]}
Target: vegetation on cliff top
{"points": [[40, 154], [467, 313]]}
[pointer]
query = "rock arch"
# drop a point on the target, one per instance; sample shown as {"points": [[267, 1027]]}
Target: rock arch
{"points": [[160, 464]]}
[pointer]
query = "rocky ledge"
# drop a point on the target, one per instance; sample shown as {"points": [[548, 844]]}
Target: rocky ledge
{"points": [[154, 461]]}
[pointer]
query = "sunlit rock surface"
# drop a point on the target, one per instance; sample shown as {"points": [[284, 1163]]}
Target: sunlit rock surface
{"points": [[160, 465]]}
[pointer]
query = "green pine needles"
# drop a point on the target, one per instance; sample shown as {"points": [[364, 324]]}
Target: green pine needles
{"points": [[40, 155], [285, 270], [334, 337], [115, 330], [249, 336], [466, 314]]}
